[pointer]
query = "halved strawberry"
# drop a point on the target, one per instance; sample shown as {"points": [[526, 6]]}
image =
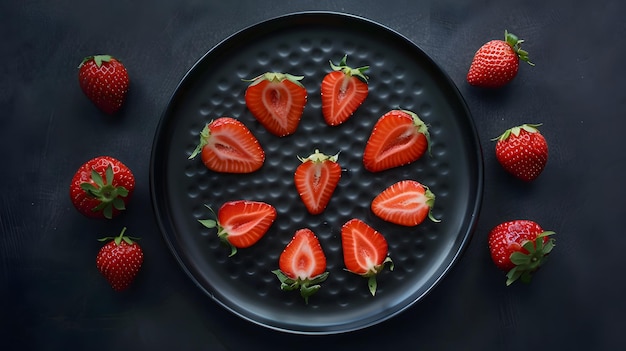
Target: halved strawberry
{"points": [[407, 203], [365, 251], [241, 223], [316, 179], [302, 264], [277, 101], [227, 146], [343, 90], [398, 138]]}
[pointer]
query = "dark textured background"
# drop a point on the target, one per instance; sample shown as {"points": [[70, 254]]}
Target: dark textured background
{"points": [[52, 297]]}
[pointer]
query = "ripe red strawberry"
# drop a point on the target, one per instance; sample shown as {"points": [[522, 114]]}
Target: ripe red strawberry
{"points": [[522, 151], [102, 187], [119, 261], [316, 179], [302, 264], [519, 247], [496, 63], [241, 223], [105, 81], [399, 137], [277, 101], [227, 146], [365, 251], [343, 90], [406, 203]]}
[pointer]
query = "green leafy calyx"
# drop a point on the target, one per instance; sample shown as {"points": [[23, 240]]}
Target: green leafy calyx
{"points": [[527, 263], [307, 286], [97, 59], [118, 239], [222, 233], [317, 156], [108, 195], [530, 128], [275, 77], [349, 71], [516, 44]]}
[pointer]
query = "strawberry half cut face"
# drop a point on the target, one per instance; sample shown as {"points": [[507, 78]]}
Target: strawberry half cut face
{"points": [[242, 223], [364, 251], [302, 264], [227, 146], [277, 101], [405, 203], [343, 90], [398, 138], [316, 180]]}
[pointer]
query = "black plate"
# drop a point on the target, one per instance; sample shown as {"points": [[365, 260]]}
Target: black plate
{"points": [[400, 76]]}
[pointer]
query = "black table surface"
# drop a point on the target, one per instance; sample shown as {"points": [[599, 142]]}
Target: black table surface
{"points": [[52, 296]]}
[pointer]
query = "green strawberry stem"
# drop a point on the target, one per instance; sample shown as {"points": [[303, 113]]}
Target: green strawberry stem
{"points": [[204, 138], [527, 264], [104, 191], [372, 284], [98, 59], [317, 156], [307, 286], [430, 201], [349, 71], [222, 234], [275, 77], [421, 127], [516, 43], [118, 239]]}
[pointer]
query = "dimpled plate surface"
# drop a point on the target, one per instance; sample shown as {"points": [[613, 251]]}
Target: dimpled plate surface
{"points": [[400, 76]]}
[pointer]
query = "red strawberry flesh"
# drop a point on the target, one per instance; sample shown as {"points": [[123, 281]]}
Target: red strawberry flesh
{"points": [[302, 264], [303, 257], [365, 251], [242, 223], [398, 138], [405, 203], [227, 145], [343, 90], [277, 101], [316, 179], [245, 222]]}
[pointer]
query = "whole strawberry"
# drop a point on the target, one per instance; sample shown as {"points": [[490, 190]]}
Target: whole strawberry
{"points": [[119, 261], [102, 187], [104, 80], [522, 151], [496, 63], [519, 247]]}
